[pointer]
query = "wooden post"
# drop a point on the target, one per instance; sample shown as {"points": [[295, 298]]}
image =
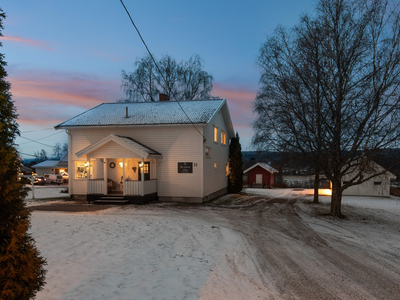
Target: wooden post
{"points": [[142, 174], [105, 189], [123, 174]]}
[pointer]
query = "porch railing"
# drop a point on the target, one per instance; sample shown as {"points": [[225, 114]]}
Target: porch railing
{"points": [[131, 187], [96, 186]]}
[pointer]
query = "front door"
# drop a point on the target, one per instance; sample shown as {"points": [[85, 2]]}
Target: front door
{"points": [[259, 178], [146, 171]]}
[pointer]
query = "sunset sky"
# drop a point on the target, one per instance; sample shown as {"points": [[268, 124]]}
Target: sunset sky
{"points": [[65, 57]]}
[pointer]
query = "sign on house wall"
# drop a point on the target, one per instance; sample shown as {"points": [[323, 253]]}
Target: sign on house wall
{"points": [[185, 167]]}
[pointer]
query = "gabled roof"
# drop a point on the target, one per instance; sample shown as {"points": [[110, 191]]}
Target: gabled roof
{"points": [[46, 164], [126, 142], [147, 113], [263, 165], [63, 162]]}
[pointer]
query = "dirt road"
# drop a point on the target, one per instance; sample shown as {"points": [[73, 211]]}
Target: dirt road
{"points": [[293, 261]]}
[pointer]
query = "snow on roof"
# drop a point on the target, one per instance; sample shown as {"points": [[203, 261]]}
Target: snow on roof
{"points": [[146, 113], [64, 160], [263, 165], [46, 164]]}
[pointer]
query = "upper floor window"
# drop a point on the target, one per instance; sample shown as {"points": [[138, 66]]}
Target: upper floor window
{"points": [[215, 134], [223, 137]]}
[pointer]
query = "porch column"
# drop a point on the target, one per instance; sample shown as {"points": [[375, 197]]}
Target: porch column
{"points": [[123, 176], [87, 175], [105, 176], [142, 172]]}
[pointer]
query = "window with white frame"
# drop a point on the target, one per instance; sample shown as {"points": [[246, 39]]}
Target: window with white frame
{"points": [[223, 137], [215, 134], [81, 169]]}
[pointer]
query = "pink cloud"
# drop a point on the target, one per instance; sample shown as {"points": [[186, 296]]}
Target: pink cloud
{"points": [[48, 98], [239, 102], [240, 106], [40, 44]]}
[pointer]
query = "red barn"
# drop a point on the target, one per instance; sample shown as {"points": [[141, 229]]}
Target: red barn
{"points": [[260, 175]]}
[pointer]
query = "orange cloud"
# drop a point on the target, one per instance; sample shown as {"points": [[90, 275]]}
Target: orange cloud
{"points": [[40, 44]]}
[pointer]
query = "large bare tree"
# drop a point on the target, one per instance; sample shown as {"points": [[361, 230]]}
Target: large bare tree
{"points": [[330, 90], [179, 81]]}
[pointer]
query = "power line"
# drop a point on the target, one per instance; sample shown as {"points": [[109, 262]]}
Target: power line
{"points": [[44, 137], [37, 130], [27, 154], [36, 142], [171, 91]]}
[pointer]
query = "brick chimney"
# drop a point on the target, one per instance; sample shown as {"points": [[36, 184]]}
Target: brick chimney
{"points": [[163, 97]]}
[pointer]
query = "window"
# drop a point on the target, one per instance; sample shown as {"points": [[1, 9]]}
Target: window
{"points": [[227, 169], [81, 168], [223, 137], [215, 134], [377, 182], [208, 151], [215, 165]]}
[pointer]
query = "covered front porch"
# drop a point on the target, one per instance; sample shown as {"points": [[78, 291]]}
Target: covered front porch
{"points": [[120, 169]]}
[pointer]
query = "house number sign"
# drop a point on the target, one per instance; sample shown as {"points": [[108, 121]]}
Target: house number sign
{"points": [[185, 167]]}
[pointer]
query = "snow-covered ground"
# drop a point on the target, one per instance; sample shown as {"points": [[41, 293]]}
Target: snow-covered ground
{"points": [[46, 192], [168, 251]]}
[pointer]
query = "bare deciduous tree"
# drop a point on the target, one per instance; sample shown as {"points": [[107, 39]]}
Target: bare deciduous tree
{"points": [[184, 81], [57, 150], [330, 89], [41, 156], [64, 148]]}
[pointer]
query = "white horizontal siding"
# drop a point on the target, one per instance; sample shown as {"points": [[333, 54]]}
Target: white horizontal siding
{"points": [[215, 180]]}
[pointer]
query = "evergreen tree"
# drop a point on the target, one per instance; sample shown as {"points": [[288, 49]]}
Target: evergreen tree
{"points": [[235, 181], [21, 266]]}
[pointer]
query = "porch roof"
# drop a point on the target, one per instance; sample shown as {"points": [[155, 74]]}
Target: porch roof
{"points": [[126, 142]]}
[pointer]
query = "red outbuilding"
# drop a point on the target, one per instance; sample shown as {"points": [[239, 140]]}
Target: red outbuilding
{"points": [[260, 174]]}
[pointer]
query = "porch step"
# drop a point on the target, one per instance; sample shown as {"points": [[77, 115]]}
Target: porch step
{"points": [[111, 200]]}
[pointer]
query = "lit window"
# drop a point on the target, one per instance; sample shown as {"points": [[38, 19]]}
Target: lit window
{"points": [[216, 134], [215, 165], [223, 137], [227, 169], [81, 168], [208, 150]]}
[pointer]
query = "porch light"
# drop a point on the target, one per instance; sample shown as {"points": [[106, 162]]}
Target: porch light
{"points": [[86, 164], [141, 165], [121, 164]]}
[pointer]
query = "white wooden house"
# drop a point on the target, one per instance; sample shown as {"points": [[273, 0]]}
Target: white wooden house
{"points": [[50, 167], [377, 186], [141, 151]]}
